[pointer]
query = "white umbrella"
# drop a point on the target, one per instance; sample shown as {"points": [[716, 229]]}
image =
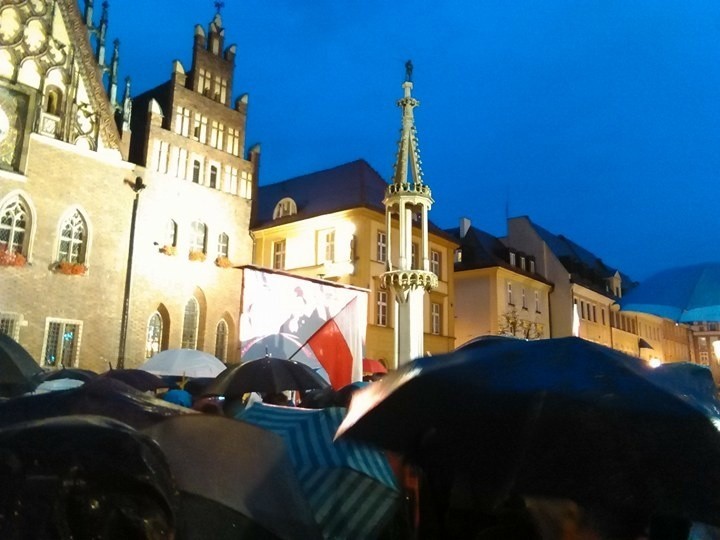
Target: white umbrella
{"points": [[57, 384], [184, 362]]}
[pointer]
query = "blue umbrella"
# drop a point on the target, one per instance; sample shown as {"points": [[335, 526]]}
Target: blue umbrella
{"points": [[684, 294], [350, 486]]}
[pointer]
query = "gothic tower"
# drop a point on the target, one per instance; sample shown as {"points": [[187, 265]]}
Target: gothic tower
{"points": [[408, 199]]}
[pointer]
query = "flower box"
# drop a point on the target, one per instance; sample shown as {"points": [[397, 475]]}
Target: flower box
{"points": [[71, 268], [171, 251], [11, 258], [195, 255], [223, 262]]}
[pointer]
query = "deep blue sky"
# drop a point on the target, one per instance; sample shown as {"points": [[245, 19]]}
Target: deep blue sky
{"points": [[599, 119]]}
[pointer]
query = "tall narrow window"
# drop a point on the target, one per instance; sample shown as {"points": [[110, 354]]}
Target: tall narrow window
{"points": [[381, 253], [435, 318], [220, 136], [221, 337], [231, 180], [214, 134], [413, 256], [204, 82], [62, 339], [524, 299], [181, 166], [435, 265], [330, 246], [537, 302], [171, 233], [182, 121], [222, 247], [278, 254], [198, 236], [13, 226], [154, 335], [53, 101], [73, 235], [245, 185], [213, 176], [223, 91], [161, 156], [233, 141], [382, 308], [190, 325], [196, 171], [509, 294]]}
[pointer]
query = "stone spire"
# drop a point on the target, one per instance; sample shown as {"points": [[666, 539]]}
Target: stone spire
{"points": [[102, 34], [114, 74], [126, 107], [408, 199]]}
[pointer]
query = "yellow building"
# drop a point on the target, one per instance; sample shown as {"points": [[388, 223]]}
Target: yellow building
{"points": [[497, 289], [331, 225]]}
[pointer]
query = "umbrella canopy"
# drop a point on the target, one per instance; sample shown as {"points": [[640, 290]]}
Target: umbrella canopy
{"points": [[18, 370], [350, 486], [83, 477], [552, 418], [78, 374], [137, 378], [684, 294], [235, 469], [184, 363], [101, 396], [57, 384], [370, 366], [267, 375]]}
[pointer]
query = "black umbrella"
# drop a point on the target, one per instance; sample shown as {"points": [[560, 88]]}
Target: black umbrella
{"points": [[18, 370], [552, 418], [267, 375], [77, 374], [100, 396], [83, 477], [138, 379]]}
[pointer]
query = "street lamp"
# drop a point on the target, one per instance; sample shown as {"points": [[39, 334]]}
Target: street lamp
{"points": [[137, 187]]}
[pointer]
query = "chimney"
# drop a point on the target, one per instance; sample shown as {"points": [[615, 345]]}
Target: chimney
{"points": [[464, 226]]}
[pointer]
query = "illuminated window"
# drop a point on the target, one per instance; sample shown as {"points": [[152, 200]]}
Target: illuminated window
{"points": [[200, 128], [233, 141], [382, 308], [13, 226], [245, 185], [509, 294], [198, 236], [190, 325], [435, 263], [182, 121], [532, 265], [458, 255], [161, 156], [223, 90], [381, 253], [222, 246], [537, 302], [524, 298], [181, 166], [217, 132], [512, 258], [435, 318], [286, 207], [73, 236], [204, 81], [221, 336], [62, 341], [154, 335], [278, 254]]}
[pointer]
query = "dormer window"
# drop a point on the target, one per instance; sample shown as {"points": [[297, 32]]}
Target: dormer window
{"points": [[512, 258], [532, 266], [286, 207], [522, 262]]}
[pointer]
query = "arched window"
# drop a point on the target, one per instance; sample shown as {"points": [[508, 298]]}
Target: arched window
{"points": [[53, 100], [171, 233], [222, 246], [73, 239], [14, 226], [286, 207], [154, 335], [213, 176], [196, 171], [190, 325], [198, 236], [221, 336]]}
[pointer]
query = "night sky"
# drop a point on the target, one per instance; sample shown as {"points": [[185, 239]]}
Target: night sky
{"points": [[598, 119]]}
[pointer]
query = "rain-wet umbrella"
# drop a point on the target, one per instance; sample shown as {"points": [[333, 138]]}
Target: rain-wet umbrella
{"points": [[101, 396], [351, 487], [552, 418], [18, 370], [184, 363], [79, 374], [683, 294], [137, 378], [236, 480], [266, 375], [83, 477], [55, 385]]}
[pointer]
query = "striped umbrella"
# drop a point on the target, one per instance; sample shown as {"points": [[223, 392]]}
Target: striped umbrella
{"points": [[350, 486]]}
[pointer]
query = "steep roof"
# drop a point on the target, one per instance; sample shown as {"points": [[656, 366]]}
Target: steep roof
{"points": [[585, 267]]}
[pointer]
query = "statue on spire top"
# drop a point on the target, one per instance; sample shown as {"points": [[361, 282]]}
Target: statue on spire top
{"points": [[408, 71]]}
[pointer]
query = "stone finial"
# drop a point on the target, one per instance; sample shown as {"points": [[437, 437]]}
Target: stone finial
{"points": [[408, 71]]}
